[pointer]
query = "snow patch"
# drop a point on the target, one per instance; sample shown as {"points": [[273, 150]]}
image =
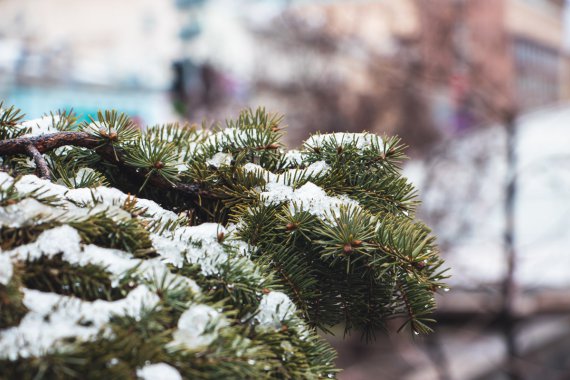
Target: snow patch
{"points": [[41, 126], [198, 326], [28, 211], [316, 169], [204, 248], [63, 239], [158, 371], [6, 269], [238, 137], [220, 159], [52, 317], [294, 158], [309, 197], [5, 180], [30, 183], [274, 308], [360, 140]]}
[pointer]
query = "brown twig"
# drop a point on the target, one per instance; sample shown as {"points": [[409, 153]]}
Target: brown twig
{"points": [[48, 142], [35, 146], [42, 169]]}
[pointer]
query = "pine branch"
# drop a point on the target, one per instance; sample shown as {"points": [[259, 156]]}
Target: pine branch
{"points": [[48, 142], [305, 240], [35, 146]]}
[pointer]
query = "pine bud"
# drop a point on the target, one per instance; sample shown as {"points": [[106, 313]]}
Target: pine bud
{"points": [[291, 226], [113, 136], [420, 265], [272, 146], [221, 236], [347, 248], [357, 243], [265, 291], [339, 150], [159, 165]]}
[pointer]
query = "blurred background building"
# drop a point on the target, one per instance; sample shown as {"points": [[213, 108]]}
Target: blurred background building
{"points": [[479, 89], [88, 55]]}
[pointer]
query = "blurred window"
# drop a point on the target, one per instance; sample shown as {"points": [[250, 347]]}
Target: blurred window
{"points": [[537, 71]]}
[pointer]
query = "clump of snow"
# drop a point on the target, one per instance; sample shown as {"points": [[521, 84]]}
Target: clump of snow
{"points": [[52, 317], [26, 211], [6, 269], [5, 180], [220, 159], [30, 183], [198, 326], [239, 138], [170, 250], [158, 371], [98, 195], [360, 140], [203, 247], [309, 197], [63, 239], [294, 158], [115, 261], [257, 169], [113, 197], [181, 168], [200, 245], [84, 197], [154, 269], [274, 308], [89, 197], [66, 240], [153, 209], [316, 169], [41, 126]]}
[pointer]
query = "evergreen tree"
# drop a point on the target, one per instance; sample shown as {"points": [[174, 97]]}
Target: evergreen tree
{"points": [[203, 253]]}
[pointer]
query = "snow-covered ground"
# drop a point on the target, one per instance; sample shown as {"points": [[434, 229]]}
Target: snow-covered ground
{"points": [[462, 189]]}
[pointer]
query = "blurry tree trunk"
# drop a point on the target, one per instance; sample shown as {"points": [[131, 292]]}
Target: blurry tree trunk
{"points": [[447, 32], [509, 285]]}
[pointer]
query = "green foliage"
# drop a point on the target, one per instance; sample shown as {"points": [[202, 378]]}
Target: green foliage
{"points": [[105, 231], [300, 241], [55, 275], [12, 309], [156, 157], [73, 168], [111, 127], [10, 119]]}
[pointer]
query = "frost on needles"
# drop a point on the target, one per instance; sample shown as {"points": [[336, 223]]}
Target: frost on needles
{"points": [[179, 251]]}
